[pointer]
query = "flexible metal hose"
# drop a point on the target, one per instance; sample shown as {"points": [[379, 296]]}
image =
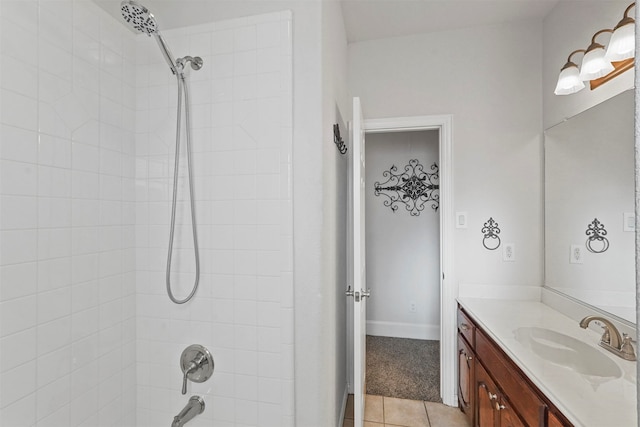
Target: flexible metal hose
{"points": [[183, 85]]}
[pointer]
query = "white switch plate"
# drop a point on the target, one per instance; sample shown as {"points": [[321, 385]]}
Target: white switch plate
{"points": [[461, 220], [509, 252], [629, 221], [577, 254]]}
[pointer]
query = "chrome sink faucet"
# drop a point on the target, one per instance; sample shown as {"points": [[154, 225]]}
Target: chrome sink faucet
{"points": [[611, 339]]}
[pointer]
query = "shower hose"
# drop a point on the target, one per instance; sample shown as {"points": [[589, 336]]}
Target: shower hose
{"points": [[182, 87]]}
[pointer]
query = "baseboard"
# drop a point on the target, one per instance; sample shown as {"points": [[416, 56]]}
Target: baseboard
{"points": [[403, 330]]}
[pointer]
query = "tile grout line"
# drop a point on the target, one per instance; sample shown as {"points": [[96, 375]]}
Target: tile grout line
{"points": [[424, 403]]}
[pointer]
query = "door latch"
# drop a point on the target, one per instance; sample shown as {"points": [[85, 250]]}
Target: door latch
{"points": [[362, 294]]}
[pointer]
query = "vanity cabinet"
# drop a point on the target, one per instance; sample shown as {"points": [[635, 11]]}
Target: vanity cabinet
{"points": [[466, 379], [494, 409], [492, 390], [466, 366]]}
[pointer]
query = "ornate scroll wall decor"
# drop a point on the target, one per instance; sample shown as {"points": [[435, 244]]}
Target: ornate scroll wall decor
{"points": [[490, 231], [596, 242], [414, 187]]}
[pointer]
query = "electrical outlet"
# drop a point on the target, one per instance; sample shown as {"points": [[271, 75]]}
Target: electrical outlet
{"points": [[509, 252], [412, 307], [577, 254]]}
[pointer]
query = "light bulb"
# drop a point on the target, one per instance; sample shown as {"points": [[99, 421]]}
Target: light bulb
{"points": [[569, 80]]}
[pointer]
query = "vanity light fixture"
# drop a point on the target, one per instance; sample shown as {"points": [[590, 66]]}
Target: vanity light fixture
{"points": [[599, 64], [569, 81], [622, 43], [594, 64]]}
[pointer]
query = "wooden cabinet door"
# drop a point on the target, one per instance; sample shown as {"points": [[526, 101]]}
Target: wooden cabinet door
{"points": [[466, 364], [508, 417], [486, 397], [554, 421]]}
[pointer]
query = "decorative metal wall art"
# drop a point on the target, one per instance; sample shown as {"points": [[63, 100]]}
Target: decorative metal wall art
{"points": [[337, 139], [414, 187], [596, 242], [490, 230]]}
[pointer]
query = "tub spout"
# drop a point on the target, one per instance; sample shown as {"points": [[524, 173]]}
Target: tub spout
{"points": [[194, 407]]}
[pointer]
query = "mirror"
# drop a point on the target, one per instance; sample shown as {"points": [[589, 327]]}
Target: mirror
{"points": [[589, 207]]}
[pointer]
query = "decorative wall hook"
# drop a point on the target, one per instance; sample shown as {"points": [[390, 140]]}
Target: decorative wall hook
{"points": [[414, 187], [337, 139], [490, 230], [596, 242]]}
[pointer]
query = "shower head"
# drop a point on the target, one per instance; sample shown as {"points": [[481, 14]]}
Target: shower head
{"points": [[139, 17]]}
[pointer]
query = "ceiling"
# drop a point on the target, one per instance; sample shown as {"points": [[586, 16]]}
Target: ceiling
{"points": [[364, 19]]}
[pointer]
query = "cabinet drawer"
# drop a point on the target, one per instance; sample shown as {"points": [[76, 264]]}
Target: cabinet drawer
{"points": [[523, 398], [466, 327]]}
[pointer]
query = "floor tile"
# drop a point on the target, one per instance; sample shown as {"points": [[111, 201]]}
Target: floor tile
{"points": [[445, 416], [348, 413], [402, 412], [373, 409], [370, 424]]}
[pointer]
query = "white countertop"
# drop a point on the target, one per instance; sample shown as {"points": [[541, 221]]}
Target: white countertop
{"points": [[585, 400]]}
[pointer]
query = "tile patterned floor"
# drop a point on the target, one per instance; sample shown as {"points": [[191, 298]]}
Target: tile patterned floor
{"points": [[391, 412]]}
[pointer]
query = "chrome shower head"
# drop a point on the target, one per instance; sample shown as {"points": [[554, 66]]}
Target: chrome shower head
{"points": [[139, 17], [142, 20]]}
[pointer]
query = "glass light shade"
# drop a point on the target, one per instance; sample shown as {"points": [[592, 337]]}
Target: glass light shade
{"points": [[569, 81], [622, 44], [594, 64]]}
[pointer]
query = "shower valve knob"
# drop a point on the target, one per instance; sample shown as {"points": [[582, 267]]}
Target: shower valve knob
{"points": [[197, 365]]}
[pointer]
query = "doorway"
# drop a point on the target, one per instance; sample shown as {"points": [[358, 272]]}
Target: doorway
{"points": [[403, 264], [448, 285]]}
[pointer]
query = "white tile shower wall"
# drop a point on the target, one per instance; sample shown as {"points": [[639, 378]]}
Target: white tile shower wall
{"points": [[67, 216], [242, 141]]}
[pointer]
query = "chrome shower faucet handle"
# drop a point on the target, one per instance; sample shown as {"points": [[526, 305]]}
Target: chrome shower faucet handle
{"points": [[197, 365]]}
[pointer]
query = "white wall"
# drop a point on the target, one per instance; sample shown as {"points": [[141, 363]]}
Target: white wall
{"points": [[489, 79], [335, 109], [403, 251], [242, 137], [570, 26], [67, 257]]}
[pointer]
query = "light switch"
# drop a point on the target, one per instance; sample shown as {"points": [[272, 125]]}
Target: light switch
{"points": [[461, 220], [629, 221], [577, 254], [509, 252]]}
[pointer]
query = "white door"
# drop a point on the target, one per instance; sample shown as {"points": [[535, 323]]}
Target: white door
{"points": [[360, 292]]}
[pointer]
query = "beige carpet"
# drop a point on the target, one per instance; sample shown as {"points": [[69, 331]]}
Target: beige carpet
{"points": [[403, 368]]}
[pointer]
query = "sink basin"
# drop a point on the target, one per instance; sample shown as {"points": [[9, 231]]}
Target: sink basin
{"points": [[569, 352]]}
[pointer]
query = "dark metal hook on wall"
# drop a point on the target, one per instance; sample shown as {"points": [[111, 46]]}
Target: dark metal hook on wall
{"points": [[337, 139]]}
